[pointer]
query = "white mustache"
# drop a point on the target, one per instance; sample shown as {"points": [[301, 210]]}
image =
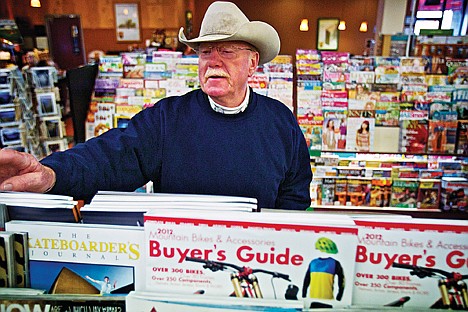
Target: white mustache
{"points": [[215, 72]]}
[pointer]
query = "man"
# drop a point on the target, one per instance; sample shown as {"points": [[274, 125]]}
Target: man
{"points": [[223, 139], [105, 285]]}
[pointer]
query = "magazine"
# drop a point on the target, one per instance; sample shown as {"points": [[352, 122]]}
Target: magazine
{"points": [[189, 251], [360, 134], [413, 131], [153, 301], [40, 207], [67, 258], [383, 242]]}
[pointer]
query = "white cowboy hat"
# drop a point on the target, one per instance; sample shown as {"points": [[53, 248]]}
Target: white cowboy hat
{"points": [[224, 21]]}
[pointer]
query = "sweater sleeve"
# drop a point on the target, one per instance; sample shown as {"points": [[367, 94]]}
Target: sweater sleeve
{"points": [[119, 159], [294, 192]]}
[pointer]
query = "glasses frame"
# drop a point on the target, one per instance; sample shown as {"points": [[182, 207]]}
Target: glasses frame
{"points": [[219, 48]]}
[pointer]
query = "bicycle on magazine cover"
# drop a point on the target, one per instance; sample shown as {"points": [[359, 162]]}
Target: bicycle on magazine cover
{"points": [[244, 281], [453, 290]]}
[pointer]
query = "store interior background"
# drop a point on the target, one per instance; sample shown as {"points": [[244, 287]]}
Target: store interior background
{"points": [[98, 25]]}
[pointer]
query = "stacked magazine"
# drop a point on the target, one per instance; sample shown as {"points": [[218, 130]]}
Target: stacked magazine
{"points": [[86, 259], [39, 207], [411, 260], [151, 301], [281, 255], [128, 208]]}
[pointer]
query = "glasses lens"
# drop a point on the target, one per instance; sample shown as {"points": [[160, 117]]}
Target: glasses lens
{"points": [[227, 52]]}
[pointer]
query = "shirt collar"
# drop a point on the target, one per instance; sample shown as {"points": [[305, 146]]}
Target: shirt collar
{"points": [[230, 110]]}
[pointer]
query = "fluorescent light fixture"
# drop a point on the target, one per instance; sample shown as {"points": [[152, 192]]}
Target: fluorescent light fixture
{"points": [[429, 14], [447, 20], [425, 24]]}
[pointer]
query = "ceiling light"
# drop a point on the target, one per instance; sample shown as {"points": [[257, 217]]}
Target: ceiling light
{"points": [[304, 25], [35, 3], [363, 27], [342, 25]]}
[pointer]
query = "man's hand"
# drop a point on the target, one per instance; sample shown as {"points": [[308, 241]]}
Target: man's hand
{"points": [[21, 172]]}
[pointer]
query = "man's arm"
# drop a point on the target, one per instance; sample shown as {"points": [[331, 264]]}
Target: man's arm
{"points": [[294, 192], [91, 279]]}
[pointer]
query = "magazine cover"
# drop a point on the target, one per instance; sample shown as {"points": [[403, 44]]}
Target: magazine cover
{"points": [[360, 134], [442, 136], [110, 65], [302, 256], [334, 129], [462, 138], [312, 130], [429, 194], [404, 193], [387, 114], [309, 103], [83, 259], [408, 261], [413, 131]]}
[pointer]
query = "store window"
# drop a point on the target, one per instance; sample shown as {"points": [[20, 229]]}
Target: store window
{"points": [[442, 15]]}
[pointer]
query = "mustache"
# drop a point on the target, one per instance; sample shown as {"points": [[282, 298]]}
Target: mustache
{"points": [[215, 72]]}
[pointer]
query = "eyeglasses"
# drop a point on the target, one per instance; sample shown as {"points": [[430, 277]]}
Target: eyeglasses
{"points": [[225, 51]]}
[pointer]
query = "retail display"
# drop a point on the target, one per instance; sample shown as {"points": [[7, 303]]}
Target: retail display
{"points": [[200, 256], [335, 88], [389, 181], [396, 106]]}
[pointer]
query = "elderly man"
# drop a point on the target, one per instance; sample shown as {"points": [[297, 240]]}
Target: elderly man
{"points": [[223, 139]]}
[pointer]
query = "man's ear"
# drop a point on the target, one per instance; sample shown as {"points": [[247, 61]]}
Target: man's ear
{"points": [[254, 58]]}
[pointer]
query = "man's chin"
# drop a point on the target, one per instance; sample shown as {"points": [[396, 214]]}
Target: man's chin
{"points": [[215, 91]]}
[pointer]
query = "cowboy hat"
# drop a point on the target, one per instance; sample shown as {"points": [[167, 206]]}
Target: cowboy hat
{"points": [[224, 21]]}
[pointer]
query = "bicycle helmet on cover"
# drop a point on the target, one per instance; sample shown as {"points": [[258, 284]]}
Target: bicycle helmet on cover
{"points": [[325, 244]]}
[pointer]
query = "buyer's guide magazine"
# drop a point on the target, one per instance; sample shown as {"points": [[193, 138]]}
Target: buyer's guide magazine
{"points": [[315, 251], [430, 243]]}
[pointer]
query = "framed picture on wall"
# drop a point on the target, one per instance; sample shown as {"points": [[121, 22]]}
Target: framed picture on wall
{"points": [[127, 22], [327, 34]]}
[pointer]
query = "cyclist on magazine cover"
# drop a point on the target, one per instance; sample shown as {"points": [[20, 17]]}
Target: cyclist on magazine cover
{"points": [[321, 272]]}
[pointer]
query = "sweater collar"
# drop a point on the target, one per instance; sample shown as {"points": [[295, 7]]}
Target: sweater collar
{"points": [[230, 110]]}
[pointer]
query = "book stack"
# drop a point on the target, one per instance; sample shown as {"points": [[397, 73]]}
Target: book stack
{"points": [[128, 208], [14, 260], [40, 207]]}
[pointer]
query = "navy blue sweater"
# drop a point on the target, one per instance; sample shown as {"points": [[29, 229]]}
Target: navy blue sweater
{"points": [[183, 146]]}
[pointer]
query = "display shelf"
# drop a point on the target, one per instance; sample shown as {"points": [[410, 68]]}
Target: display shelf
{"points": [[414, 212]]}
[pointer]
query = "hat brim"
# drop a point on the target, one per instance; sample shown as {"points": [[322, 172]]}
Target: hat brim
{"points": [[259, 34]]}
